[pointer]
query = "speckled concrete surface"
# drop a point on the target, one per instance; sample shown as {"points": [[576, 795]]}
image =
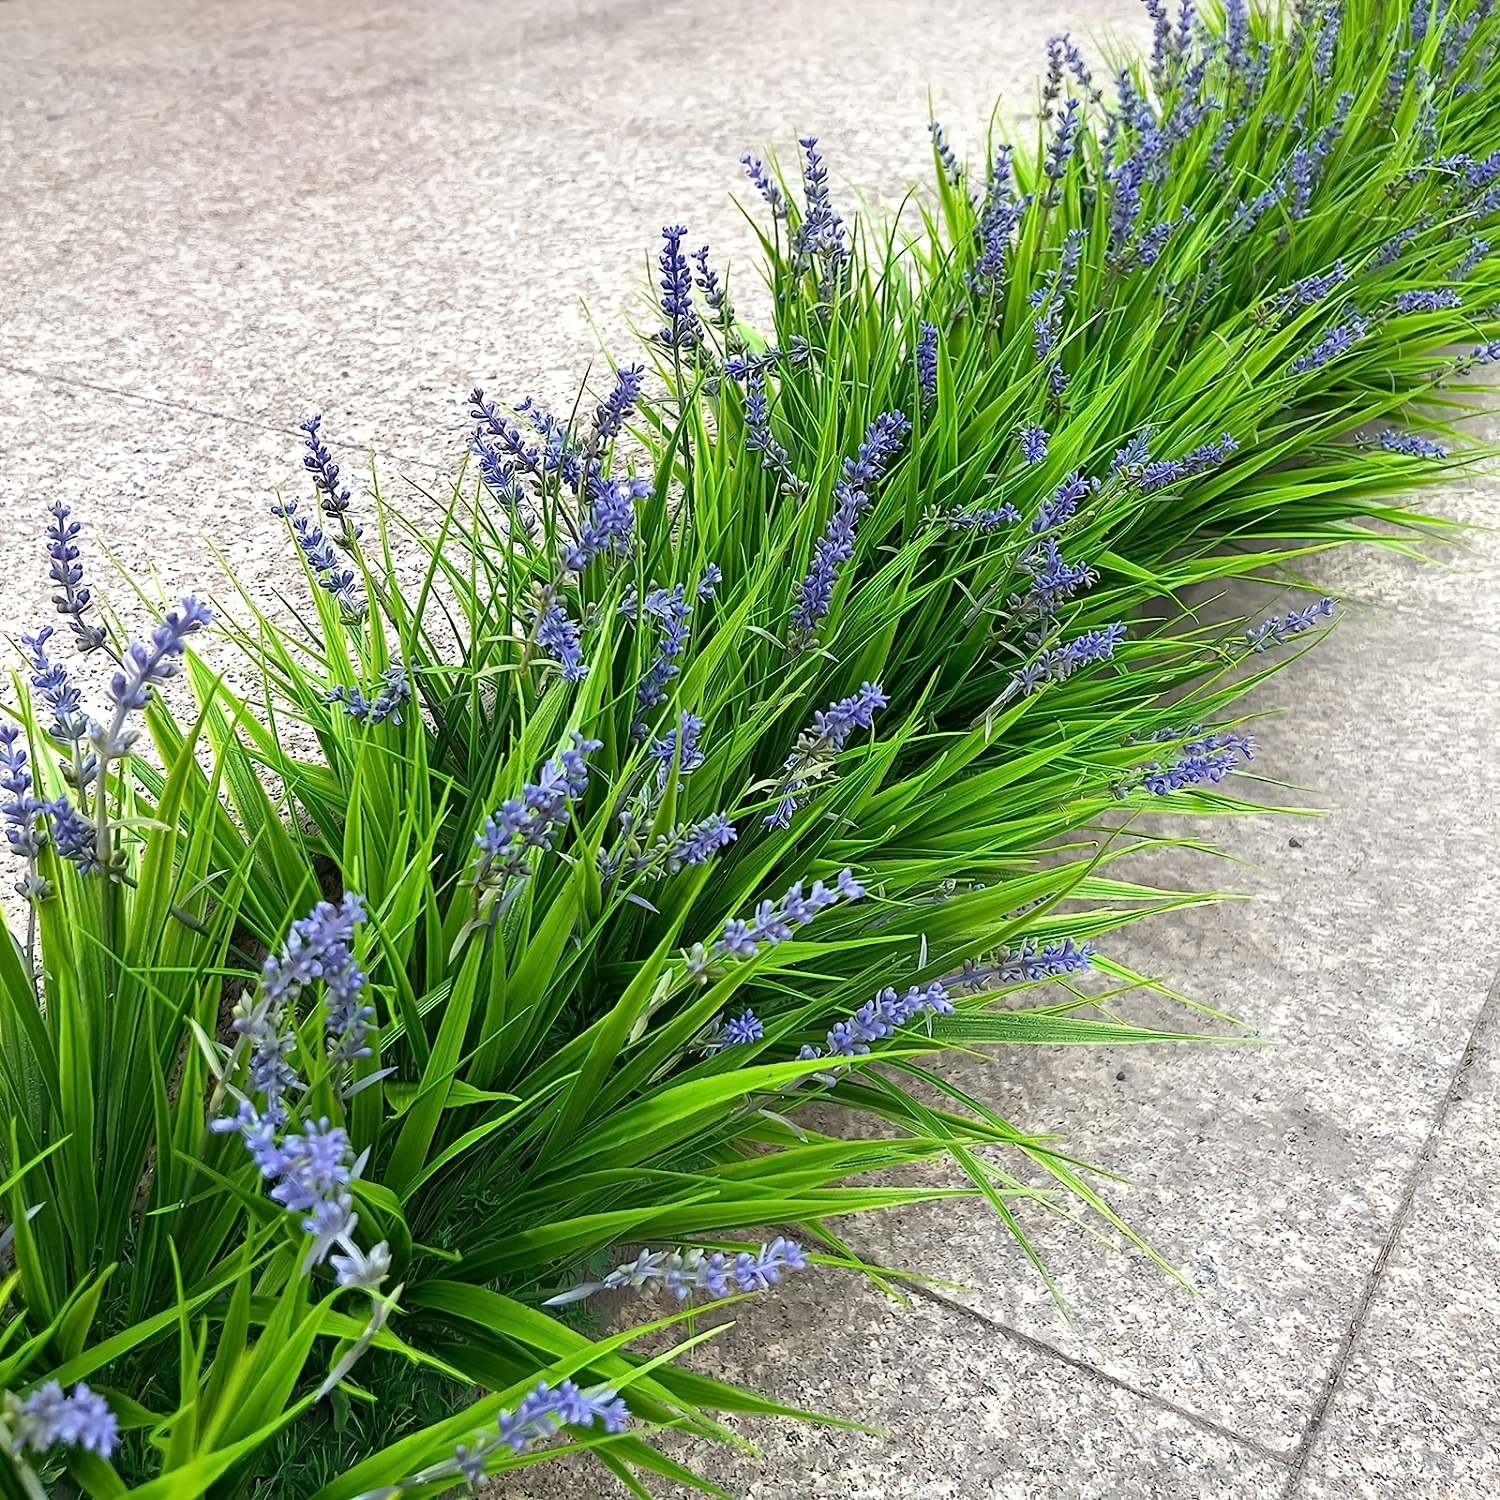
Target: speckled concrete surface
{"points": [[220, 214]]}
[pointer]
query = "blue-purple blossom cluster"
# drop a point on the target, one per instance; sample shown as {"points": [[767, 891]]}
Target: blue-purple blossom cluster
{"points": [[1053, 581], [1161, 473], [682, 330], [1274, 632], [530, 821], [1028, 964], [817, 744], [1057, 509], [998, 218], [393, 693], [693, 1273], [311, 1168], [558, 635], [1335, 343], [774, 921], [614, 411], [820, 234], [541, 1414], [50, 1417], [1424, 301], [679, 744], [1210, 758], [21, 812], [1410, 444], [1033, 438], [850, 501], [1058, 663], [944, 153], [927, 359], [145, 666], [322, 557], [673, 614], [878, 1019], [765, 184], [760, 439], [609, 528], [318, 462], [66, 571]]}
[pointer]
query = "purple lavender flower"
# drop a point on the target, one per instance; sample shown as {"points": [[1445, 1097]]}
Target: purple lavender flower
{"points": [[1125, 206], [1027, 964], [82, 1420], [490, 423], [759, 437], [558, 636], [879, 1019], [1033, 444], [609, 530], [1472, 260], [1162, 473], [1485, 354], [1053, 581], [1208, 759], [775, 922], [1426, 301], [1411, 445], [985, 520], [530, 821], [1236, 35], [318, 462], [671, 608], [67, 573], [614, 411], [1058, 663], [689, 1272], [546, 1409], [394, 691], [682, 329], [1273, 632], [1326, 39], [73, 836], [744, 1029], [146, 665], [765, 184], [1062, 147], [1058, 508], [24, 832], [715, 294], [820, 235], [836, 546], [698, 844], [313, 542], [927, 359], [56, 690], [944, 153], [997, 221], [680, 744], [817, 744], [1335, 343], [1311, 290]]}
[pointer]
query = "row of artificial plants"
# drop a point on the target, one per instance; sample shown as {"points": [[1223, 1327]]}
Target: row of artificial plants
{"points": [[479, 959]]}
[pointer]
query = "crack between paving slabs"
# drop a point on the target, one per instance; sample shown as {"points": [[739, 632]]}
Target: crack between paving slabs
{"points": [[205, 411], [1103, 1377], [1484, 1022]]}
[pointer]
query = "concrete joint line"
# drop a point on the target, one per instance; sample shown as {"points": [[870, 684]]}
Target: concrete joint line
{"points": [[205, 411], [1484, 1022], [1103, 1377]]}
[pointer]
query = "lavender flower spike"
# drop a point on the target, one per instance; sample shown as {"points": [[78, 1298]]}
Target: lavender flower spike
{"points": [[686, 1273], [48, 1417], [1033, 444], [927, 359], [879, 1019], [682, 329], [67, 573], [615, 409], [775, 921], [1273, 632], [146, 665], [765, 184], [811, 758], [318, 462]]}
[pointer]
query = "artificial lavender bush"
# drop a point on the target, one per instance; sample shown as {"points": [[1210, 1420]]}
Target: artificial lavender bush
{"points": [[744, 742]]}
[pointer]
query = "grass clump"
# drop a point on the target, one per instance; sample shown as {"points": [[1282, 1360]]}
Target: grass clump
{"points": [[751, 741]]}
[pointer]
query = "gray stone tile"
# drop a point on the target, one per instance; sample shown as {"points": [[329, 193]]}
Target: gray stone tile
{"points": [[263, 205], [1414, 1413], [1268, 1175], [964, 1414]]}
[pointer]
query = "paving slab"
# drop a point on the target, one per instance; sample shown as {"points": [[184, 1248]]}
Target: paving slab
{"points": [[258, 206], [1395, 1427], [962, 1415], [1269, 1176]]}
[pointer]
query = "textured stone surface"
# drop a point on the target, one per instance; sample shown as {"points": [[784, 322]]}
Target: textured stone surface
{"points": [[220, 214], [1395, 1421], [963, 1415]]}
